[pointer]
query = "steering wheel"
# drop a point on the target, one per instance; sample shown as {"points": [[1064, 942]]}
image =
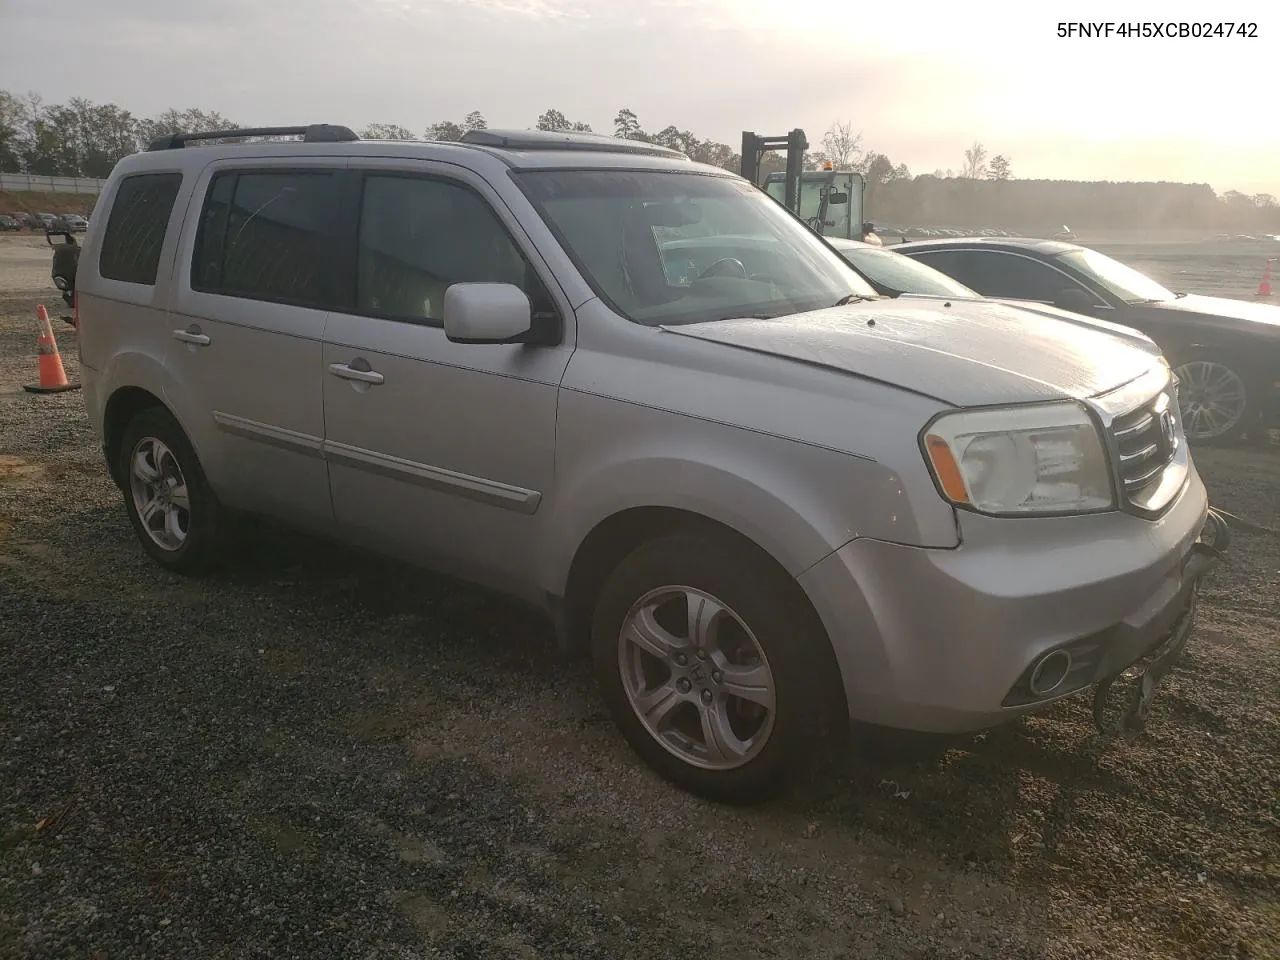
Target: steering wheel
{"points": [[713, 271]]}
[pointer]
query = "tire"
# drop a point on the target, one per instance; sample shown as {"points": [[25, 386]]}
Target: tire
{"points": [[197, 540], [793, 651], [1216, 398]]}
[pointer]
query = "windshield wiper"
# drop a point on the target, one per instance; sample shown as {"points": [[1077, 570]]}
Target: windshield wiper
{"points": [[850, 298], [743, 316]]}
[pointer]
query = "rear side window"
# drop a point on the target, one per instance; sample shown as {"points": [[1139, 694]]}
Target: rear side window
{"points": [[994, 273], [136, 227], [267, 236]]}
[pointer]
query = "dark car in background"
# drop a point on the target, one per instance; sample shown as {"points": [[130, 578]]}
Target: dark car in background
{"points": [[1226, 353], [9, 223], [893, 275]]}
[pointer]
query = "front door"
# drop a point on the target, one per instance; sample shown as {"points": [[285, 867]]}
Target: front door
{"points": [[438, 451]]}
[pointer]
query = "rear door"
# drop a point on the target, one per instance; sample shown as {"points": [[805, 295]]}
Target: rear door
{"points": [[255, 280], [439, 451]]}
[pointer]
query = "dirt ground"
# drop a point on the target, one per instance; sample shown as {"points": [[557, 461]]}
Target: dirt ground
{"points": [[318, 754]]}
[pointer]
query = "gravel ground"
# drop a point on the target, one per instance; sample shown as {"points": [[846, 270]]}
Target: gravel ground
{"points": [[318, 754]]}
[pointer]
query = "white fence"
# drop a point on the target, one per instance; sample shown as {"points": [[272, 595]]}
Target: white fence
{"points": [[31, 183]]}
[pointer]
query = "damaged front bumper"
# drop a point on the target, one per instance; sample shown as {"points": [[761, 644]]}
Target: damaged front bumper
{"points": [[1123, 709]]}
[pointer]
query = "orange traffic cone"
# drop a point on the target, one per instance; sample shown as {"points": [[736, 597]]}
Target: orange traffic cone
{"points": [[53, 379], [1264, 288]]}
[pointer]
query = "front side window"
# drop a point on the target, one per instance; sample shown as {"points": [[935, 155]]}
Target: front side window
{"points": [[266, 236], [136, 227], [669, 248], [418, 236], [1115, 277]]}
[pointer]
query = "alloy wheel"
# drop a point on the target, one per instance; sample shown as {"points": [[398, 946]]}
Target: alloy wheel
{"points": [[697, 678]]}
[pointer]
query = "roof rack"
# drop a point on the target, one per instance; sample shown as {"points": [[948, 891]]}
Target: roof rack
{"points": [[312, 133], [563, 140]]}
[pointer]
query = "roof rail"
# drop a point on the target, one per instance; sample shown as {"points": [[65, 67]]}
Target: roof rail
{"points": [[312, 133], [565, 140]]}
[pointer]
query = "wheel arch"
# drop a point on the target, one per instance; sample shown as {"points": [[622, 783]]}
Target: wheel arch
{"points": [[132, 382], [621, 532], [122, 406]]}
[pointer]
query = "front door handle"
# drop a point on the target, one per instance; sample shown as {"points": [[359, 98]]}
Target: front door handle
{"points": [[352, 373], [192, 337]]}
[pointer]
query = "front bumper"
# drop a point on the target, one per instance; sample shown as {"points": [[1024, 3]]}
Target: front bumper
{"points": [[947, 640]]}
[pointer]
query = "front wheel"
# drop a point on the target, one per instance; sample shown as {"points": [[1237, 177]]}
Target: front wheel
{"points": [[1213, 396], [710, 667]]}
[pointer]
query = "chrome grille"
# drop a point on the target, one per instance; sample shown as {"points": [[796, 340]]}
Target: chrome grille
{"points": [[1146, 441]]}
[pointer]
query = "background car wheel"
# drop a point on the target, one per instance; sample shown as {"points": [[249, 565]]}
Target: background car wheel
{"points": [[1214, 397], [712, 666], [174, 511]]}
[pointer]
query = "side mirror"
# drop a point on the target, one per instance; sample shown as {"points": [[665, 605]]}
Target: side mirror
{"points": [[1075, 300], [835, 199], [487, 313]]}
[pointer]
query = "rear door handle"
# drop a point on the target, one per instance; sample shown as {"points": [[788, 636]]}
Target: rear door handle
{"points": [[351, 373], [196, 339]]}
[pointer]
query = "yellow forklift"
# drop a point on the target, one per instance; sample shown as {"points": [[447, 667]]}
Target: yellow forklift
{"points": [[828, 200]]}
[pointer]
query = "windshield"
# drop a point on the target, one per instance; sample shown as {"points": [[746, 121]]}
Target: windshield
{"points": [[893, 274], [1116, 278], [670, 248]]}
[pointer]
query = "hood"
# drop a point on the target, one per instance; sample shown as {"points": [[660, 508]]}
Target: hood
{"points": [[1136, 337], [970, 353], [1263, 315]]}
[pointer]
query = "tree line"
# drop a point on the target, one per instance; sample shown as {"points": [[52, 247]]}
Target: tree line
{"points": [[85, 139]]}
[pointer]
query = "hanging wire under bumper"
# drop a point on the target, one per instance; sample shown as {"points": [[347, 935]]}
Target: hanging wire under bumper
{"points": [[1123, 711]]}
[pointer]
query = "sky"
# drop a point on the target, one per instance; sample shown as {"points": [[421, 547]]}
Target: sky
{"points": [[922, 81]]}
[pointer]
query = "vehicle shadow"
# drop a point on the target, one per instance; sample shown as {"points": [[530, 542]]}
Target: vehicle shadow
{"points": [[353, 583], [990, 800], [1002, 802], [962, 799]]}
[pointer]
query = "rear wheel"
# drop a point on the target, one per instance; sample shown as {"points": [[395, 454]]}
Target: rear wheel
{"points": [[1214, 398], [710, 666], [174, 511]]}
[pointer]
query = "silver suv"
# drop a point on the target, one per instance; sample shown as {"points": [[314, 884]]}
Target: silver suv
{"points": [[638, 393]]}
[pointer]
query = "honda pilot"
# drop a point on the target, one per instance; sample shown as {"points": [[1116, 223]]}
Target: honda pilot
{"points": [[641, 395]]}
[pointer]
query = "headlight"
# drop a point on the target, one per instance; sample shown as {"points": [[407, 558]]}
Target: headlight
{"points": [[1046, 458]]}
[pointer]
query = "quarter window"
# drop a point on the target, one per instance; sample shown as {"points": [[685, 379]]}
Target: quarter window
{"points": [[267, 236], [136, 227]]}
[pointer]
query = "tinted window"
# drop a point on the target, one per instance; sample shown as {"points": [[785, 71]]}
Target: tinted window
{"points": [[266, 236], [1119, 279], [419, 236], [996, 274], [136, 227], [893, 274]]}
